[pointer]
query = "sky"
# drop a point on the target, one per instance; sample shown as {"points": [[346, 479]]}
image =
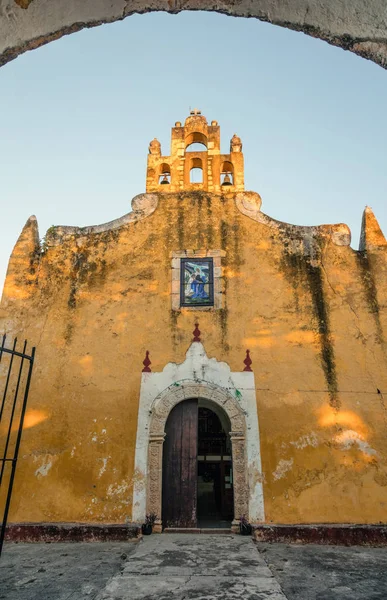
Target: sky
{"points": [[78, 115]]}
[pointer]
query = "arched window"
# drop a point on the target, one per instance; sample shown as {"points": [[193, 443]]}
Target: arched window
{"points": [[196, 171], [227, 174], [164, 174], [196, 142]]}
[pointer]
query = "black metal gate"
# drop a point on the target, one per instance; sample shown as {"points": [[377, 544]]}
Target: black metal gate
{"points": [[15, 379]]}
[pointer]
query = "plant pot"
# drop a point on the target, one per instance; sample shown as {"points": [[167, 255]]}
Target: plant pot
{"points": [[146, 529], [245, 529]]}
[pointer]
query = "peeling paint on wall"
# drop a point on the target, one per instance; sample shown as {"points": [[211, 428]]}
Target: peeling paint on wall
{"points": [[310, 439], [282, 468], [104, 464], [350, 438], [43, 470], [118, 490]]}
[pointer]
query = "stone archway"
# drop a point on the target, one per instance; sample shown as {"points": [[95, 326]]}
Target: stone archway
{"points": [[234, 392], [354, 26], [161, 408]]}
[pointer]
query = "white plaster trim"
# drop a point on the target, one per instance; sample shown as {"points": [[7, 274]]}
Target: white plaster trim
{"points": [[249, 204], [214, 381], [143, 205]]}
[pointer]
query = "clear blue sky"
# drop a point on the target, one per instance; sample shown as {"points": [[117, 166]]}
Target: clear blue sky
{"points": [[78, 114]]}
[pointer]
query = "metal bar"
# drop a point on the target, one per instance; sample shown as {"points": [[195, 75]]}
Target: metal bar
{"points": [[17, 446], [8, 378], [2, 346], [12, 413], [16, 353]]}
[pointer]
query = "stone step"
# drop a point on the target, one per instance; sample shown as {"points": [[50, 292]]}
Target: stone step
{"points": [[210, 530]]}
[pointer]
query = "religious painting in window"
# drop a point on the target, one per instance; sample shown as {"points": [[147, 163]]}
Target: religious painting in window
{"points": [[196, 282]]}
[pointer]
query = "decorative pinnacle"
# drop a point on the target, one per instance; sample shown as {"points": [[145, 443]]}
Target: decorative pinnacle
{"points": [[248, 362], [196, 333], [146, 362]]}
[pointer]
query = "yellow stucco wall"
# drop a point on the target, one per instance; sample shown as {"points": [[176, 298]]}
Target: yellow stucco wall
{"points": [[313, 314]]}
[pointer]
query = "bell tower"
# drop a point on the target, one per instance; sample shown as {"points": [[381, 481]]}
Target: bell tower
{"points": [[195, 162]]}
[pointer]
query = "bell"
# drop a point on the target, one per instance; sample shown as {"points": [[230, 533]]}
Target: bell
{"points": [[227, 180], [165, 180]]}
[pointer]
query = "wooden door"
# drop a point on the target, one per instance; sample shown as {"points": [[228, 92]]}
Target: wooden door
{"points": [[180, 466]]}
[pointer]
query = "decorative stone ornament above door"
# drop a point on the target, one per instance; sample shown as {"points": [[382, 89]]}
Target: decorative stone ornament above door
{"points": [[234, 393]]}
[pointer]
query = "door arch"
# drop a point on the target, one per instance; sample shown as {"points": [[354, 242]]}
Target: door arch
{"points": [[160, 411]]}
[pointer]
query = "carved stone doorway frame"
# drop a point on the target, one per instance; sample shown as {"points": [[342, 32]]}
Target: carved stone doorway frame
{"points": [[234, 393], [163, 405]]}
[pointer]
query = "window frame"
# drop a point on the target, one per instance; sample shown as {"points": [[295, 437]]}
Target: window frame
{"points": [[218, 278], [205, 260]]}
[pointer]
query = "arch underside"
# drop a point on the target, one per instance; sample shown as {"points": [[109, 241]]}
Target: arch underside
{"points": [[222, 400], [359, 27]]}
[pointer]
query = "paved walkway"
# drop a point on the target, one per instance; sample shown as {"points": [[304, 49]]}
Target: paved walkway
{"points": [[193, 567], [200, 567]]}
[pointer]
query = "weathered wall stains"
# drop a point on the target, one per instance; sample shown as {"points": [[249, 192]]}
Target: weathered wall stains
{"points": [[299, 298], [306, 274], [314, 274], [354, 25], [368, 279]]}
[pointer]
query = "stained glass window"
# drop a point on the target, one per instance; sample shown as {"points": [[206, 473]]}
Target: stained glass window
{"points": [[197, 282]]}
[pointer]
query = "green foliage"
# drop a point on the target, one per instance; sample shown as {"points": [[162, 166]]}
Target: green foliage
{"points": [[44, 241]]}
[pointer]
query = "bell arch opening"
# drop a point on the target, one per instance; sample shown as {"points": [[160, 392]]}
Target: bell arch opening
{"points": [[227, 174], [196, 147], [164, 174], [196, 137], [196, 170]]}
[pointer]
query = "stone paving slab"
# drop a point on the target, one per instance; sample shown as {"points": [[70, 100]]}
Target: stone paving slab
{"points": [[311, 572], [194, 567], [193, 588], [60, 571], [191, 554]]}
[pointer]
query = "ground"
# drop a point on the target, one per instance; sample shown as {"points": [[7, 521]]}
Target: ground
{"points": [[201, 567], [310, 572], [61, 571]]}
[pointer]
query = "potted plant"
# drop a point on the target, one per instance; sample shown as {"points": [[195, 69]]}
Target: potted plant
{"points": [[147, 527], [244, 526]]}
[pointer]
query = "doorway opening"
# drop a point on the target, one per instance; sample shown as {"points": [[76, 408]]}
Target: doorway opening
{"points": [[197, 467], [214, 493]]}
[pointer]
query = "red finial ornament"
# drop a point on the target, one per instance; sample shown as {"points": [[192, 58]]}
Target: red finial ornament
{"points": [[196, 333], [248, 362], [146, 362]]}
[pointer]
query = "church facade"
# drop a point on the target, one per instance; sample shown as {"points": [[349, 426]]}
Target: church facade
{"points": [[199, 360]]}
